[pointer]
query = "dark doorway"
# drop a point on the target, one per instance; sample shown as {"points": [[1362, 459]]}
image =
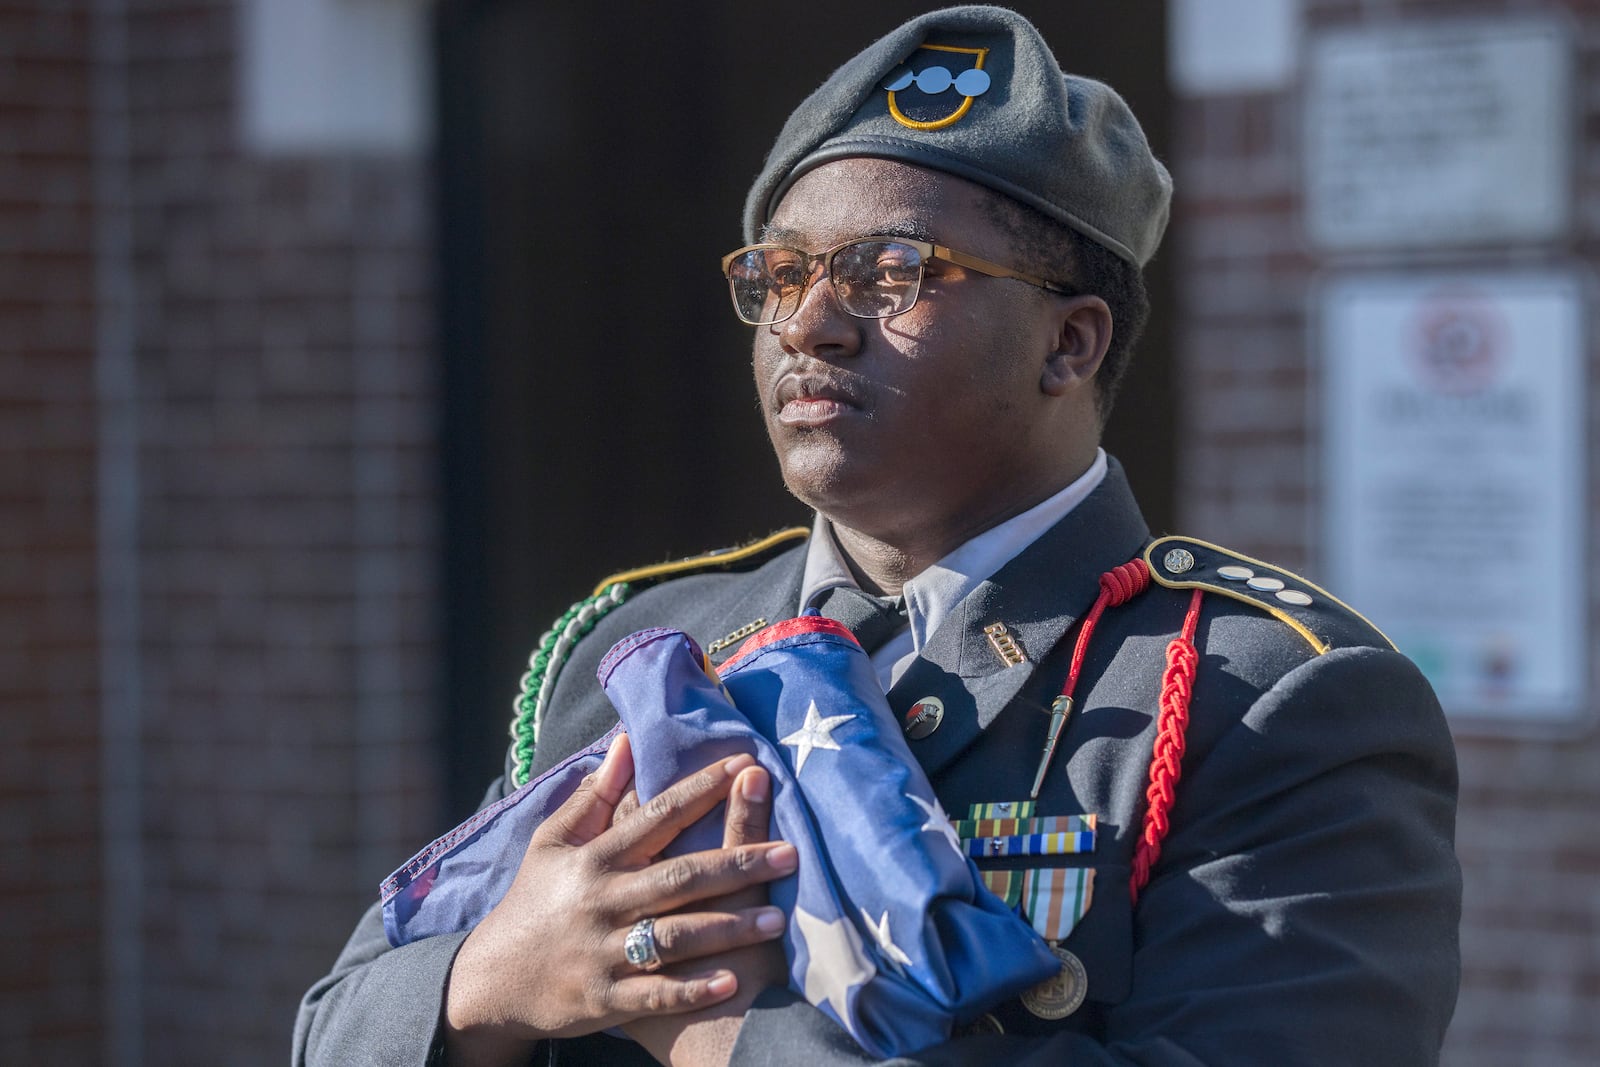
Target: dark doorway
{"points": [[590, 426]]}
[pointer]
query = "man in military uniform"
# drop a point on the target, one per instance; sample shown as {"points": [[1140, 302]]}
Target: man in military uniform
{"points": [[943, 277]]}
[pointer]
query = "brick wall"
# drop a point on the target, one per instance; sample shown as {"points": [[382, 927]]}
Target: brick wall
{"points": [[217, 468], [49, 798], [270, 546], [286, 400], [1531, 862]]}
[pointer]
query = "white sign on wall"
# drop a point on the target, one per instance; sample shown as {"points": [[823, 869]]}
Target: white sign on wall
{"points": [[334, 76], [1455, 481], [1233, 46], [1439, 133]]}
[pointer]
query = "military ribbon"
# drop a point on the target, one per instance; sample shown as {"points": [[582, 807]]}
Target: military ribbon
{"points": [[1055, 898], [1007, 885], [1002, 809]]}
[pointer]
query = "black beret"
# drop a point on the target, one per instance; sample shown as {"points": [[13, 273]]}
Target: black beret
{"points": [[976, 92]]}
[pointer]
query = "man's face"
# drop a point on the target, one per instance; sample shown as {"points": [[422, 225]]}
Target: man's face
{"points": [[933, 420]]}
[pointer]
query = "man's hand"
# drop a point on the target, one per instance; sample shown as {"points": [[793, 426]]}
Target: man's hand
{"points": [[704, 1038], [548, 960]]}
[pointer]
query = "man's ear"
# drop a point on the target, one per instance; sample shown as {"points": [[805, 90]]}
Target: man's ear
{"points": [[1082, 337]]}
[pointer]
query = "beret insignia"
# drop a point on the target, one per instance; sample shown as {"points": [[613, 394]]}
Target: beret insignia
{"points": [[925, 85]]}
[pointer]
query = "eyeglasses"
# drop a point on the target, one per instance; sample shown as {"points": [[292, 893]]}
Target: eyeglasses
{"points": [[872, 277]]}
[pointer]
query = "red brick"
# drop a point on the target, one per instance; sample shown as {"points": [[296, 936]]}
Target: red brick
{"points": [[1531, 864]]}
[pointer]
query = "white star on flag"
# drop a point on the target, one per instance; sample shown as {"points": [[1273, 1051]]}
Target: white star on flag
{"points": [[896, 958], [836, 962], [938, 822], [816, 732]]}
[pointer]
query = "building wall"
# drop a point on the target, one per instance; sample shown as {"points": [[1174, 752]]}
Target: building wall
{"points": [[257, 696], [285, 394], [218, 585], [50, 871], [1531, 928]]}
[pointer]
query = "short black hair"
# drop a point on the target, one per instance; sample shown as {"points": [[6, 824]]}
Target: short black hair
{"points": [[1056, 251]]}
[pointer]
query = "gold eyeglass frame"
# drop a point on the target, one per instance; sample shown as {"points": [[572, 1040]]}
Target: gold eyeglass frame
{"points": [[926, 249]]}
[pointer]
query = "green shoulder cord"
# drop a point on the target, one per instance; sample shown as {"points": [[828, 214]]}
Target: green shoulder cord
{"points": [[544, 667], [554, 648]]}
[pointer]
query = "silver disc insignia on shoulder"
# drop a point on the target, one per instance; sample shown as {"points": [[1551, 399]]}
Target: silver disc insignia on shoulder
{"points": [[1059, 997], [1178, 561]]}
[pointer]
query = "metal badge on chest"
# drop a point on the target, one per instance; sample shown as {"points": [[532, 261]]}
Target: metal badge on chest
{"points": [[1052, 899]]}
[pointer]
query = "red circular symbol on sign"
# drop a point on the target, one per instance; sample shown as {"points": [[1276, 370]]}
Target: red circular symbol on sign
{"points": [[1459, 343]]}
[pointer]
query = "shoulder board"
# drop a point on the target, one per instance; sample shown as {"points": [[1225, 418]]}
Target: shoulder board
{"points": [[740, 558], [1309, 610]]}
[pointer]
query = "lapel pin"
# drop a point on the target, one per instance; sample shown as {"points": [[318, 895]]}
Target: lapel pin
{"points": [[924, 718], [1004, 645], [734, 638]]}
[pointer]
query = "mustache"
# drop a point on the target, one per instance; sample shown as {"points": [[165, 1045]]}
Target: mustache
{"points": [[818, 380]]}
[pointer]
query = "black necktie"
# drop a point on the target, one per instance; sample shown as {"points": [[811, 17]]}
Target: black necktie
{"points": [[873, 619]]}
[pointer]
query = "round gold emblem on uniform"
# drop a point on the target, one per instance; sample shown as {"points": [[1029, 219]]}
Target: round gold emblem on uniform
{"points": [[1059, 997]]}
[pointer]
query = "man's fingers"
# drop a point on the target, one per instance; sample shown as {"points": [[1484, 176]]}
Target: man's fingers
{"points": [[668, 814], [587, 813], [690, 936], [746, 823], [661, 994], [749, 808], [627, 807], [616, 771], [682, 880]]}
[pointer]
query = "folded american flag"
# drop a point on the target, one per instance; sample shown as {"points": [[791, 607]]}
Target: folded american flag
{"points": [[891, 931]]}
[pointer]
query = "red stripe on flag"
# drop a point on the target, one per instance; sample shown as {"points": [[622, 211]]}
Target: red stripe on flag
{"points": [[805, 624]]}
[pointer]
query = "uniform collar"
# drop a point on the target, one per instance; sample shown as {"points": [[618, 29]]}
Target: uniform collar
{"points": [[932, 596], [1034, 600]]}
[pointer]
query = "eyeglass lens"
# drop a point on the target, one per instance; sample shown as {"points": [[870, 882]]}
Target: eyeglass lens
{"points": [[872, 280]]}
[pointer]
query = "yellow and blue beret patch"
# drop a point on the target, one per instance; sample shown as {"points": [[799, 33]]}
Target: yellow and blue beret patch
{"points": [[935, 88]]}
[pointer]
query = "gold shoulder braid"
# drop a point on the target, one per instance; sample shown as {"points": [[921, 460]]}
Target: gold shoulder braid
{"points": [[557, 643]]}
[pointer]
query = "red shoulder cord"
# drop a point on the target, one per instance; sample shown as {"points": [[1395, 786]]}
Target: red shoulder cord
{"points": [[1166, 763], [1118, 586]]}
